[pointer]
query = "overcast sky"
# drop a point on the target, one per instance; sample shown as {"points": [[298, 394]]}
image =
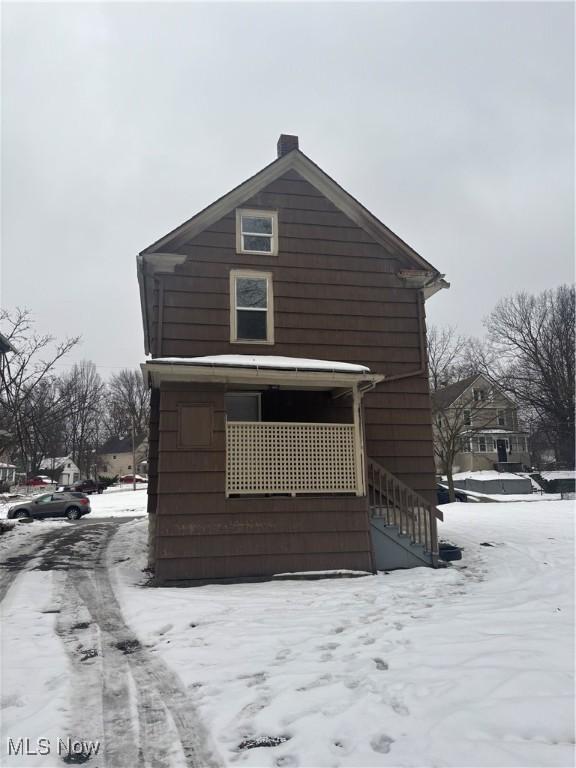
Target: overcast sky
{"points": [[452, 122]]}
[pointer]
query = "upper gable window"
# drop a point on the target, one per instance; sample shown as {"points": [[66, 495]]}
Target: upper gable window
{"points": [[479, 395], [257, 232]]}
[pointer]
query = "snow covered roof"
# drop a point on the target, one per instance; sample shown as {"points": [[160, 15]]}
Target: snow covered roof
{"points": [[273, 362], [10, 466], [54, 462], [484, 475], [559, 474]]}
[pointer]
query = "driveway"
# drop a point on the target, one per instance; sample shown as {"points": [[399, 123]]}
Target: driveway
{"points": [[116, 692]]}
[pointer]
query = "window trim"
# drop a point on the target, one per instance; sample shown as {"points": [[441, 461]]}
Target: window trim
{"points": [[251, 275], [262, 214]]}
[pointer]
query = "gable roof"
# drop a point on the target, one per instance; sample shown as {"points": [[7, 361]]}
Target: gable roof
{"points": [[121, 444], [445, 397], [53, 462], [163, 254], [295, 160]]}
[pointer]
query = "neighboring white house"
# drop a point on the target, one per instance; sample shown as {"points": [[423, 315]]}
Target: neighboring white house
{"points": [[490, 434], [115, 457], [7, 473], [70, 472]]}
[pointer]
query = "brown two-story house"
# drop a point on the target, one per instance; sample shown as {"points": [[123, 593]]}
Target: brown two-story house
{"points": [[290, 427]]}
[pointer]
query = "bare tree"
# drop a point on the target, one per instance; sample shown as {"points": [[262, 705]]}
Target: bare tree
{"points": [[128, 404], [31, 408], [83, 391], [452, 357], [445, 352], [533, 339]]}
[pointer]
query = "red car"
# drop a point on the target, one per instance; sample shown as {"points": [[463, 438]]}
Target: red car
{"points": [[130, 479], [39, 480]]}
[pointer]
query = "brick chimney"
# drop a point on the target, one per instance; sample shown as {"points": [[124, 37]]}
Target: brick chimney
{"points": [[286, 143]]}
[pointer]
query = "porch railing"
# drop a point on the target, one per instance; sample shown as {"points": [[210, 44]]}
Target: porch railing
{"points": [[272, 457], [398, 505]]}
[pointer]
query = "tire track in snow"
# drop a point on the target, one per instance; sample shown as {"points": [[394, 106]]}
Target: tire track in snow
{"points": [[120, 692]]}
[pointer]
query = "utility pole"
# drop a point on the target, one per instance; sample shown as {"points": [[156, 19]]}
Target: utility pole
{"points": [[133, 455]]}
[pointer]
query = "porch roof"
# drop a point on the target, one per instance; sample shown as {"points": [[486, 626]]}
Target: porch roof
{"points": [[263, 369]]}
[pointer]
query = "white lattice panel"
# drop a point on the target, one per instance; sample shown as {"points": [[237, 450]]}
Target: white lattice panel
{"points": [[288, 457]]}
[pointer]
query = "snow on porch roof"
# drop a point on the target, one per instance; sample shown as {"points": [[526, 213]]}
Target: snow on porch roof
{"points": [[272, 362]]}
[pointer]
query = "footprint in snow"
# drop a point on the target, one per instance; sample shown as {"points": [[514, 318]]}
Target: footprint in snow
{"points": [[287, 761], [380, 664], [318, 683], [254, 679], [328, 647], [381, 743], [254, 707], [399, 708]]}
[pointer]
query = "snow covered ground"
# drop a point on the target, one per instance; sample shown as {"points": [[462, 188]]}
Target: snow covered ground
{"points": [[466, 666], [118, 502]]}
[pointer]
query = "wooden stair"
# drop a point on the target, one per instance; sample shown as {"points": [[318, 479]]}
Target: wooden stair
{"points": [[411, 518]]}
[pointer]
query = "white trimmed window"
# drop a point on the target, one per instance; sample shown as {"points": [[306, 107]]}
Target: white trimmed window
{"points": [[482, 444], [257, 232], [251, 307], [479, 395]]}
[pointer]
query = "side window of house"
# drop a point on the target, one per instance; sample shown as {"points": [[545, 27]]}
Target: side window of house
{"points": [[482, 444], [501, 418], [251, 307], [257, 232], [467, 418]]}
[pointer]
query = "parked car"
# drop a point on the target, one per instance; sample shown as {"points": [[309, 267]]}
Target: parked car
{"points": [[443, 496], [84, 486], [70, 505], [38, 480], [130, 479]]}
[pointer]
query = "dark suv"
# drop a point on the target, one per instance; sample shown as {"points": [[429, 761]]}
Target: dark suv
{"points": [[70, 505]]}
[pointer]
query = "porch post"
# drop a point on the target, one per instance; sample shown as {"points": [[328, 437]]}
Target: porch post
{"points": [[358, 440]]}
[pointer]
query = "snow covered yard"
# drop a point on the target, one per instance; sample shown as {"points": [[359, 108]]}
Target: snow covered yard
{"points": [[466, 666], [119, 502]]}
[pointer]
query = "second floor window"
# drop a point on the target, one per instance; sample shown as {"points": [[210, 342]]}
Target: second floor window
{"points": [[467, 418], [257, 232], [501, 418], [251, 307], [479, 395]]}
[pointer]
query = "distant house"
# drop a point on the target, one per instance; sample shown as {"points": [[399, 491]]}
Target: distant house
{"points": [[490, 436], [7, 473], [69, 471], [115, 456]]}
